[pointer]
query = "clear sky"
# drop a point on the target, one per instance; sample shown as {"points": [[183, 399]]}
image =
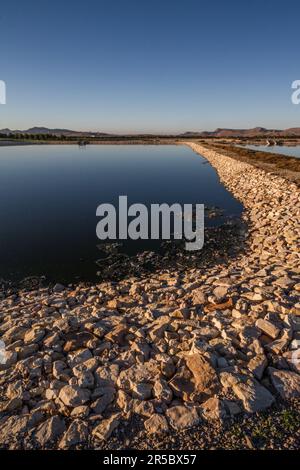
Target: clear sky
{"points": [[149, 65]]}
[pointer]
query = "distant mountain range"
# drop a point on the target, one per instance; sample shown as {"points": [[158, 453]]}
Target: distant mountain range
{"points": [[46, 130], [255, 132]]}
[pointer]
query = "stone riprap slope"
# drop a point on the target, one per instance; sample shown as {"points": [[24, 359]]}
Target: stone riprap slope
{"points": [[172, 351]]}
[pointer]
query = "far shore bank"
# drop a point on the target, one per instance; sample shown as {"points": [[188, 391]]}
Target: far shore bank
{"points": [[96, 142], [146, 140]]}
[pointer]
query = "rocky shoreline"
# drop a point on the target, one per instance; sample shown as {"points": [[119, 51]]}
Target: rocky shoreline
{"points": [[138, 362]]}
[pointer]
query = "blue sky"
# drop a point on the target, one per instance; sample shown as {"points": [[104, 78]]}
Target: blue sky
{"points": [[149, 66]]}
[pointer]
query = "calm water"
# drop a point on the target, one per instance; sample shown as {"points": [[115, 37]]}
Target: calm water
{"points": [[290, 151], [49, 195]]}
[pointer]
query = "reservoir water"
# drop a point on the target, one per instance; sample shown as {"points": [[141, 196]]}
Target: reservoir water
{"points": [[49, 195]]}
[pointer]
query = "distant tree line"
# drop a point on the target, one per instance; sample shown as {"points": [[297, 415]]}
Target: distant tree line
{"points": [[142, 137], [21, 136]]}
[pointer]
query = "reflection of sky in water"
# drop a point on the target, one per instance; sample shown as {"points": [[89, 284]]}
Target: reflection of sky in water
{"points": [[49, 195], [290, 151]]}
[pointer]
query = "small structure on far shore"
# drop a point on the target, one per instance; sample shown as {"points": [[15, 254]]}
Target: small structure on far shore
{"points": [[82, 143]]}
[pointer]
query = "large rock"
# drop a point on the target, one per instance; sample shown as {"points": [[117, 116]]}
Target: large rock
{"points": [[49, 431], [90, 365], [254, 396], [85, 379], [103, 431], [205, 377], [141, 391], [168, 368], [27, 350], [73, 396], [106, 376], [284, 282], [157, 424], [76, 433], [158, 327], [213, 409], [142, 350], [107, 396], [35, 335], [143, 408], [257, 365], [141, 373], [286, 383], [182, 417], [124, 401], [76, 341], [14, 333], [220, 292], [182, 384], [198, 297], [118, 335], [162, 391], [268, 328], [79, 356], [11, 405], [13, 428], [80, 411], [281, 343]]}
